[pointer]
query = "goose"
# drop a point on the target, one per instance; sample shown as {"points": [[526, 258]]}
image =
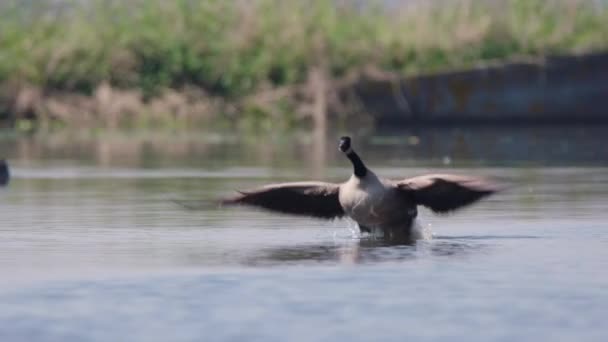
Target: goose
{"points": [[388, 207], [4, 173]]}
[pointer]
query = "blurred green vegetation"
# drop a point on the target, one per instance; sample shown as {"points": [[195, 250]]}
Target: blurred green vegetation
{"points": [[232, 49]]}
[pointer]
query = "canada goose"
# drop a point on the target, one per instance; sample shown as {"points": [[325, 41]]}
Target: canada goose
{"points": [[374, 203], [4, 173]]}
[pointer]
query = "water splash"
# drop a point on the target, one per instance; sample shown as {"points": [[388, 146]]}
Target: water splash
{"points": [[340, 232], [421, 231], [353, 228]]}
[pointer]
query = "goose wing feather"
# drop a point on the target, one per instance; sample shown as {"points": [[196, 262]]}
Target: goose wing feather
{"points": [[316, 199], [443, 192]]}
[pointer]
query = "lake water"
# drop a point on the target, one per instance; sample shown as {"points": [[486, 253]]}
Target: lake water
{"points": [[119, 239]]}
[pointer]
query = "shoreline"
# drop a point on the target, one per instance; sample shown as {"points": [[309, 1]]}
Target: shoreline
{"points": [[266, 64], [551, 90]]}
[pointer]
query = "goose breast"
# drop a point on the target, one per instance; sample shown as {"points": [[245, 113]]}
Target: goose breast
{"points": [[374, 203]]}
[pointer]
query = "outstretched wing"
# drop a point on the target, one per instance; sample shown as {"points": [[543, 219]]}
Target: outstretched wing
{"points": [[443, 193], [314, 199]]}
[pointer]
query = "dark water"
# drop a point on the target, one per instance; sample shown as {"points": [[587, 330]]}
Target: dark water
{"points": [[96, 244]]}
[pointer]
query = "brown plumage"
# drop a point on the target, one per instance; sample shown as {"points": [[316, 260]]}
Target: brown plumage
{"points": [[316, 199], [369, 200], [443, 192]]}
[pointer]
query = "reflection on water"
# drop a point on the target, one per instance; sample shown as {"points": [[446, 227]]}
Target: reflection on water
{"points": [[362, 251], [411, 146], [370, 250], [488, 237]]}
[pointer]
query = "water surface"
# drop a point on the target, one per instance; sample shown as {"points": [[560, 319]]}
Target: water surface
{"points": [[129, 245]]}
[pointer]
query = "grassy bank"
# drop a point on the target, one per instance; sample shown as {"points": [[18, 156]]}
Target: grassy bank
{"points": [[227, 51]]}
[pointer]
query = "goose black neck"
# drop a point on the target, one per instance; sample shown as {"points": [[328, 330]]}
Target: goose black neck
{"points": [[359, 168]]}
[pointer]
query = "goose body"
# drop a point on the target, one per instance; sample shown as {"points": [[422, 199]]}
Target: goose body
{"points": [[373, 202], [4, 173]]}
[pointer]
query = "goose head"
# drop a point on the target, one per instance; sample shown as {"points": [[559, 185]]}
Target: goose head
{"points": [[345, 147]]}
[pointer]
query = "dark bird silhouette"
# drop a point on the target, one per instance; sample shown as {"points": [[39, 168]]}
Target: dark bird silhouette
{"points": [[373, 202], [4, 173]]}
